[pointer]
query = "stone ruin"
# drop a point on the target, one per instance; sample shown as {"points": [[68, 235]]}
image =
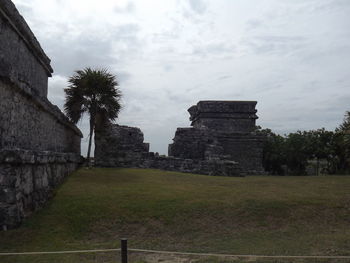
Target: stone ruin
{"points": [[222, 141], [38, 145], [121, 146], [222, 130]]}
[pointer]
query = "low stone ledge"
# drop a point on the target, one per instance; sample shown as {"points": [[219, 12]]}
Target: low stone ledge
{"points": [[213, 167], [27, 181], [20, 156]]}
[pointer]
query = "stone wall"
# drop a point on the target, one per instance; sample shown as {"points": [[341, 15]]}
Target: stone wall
{"points": [[22, 60], [222, 130], [222, 141], [123, 146], [196, 166], [27, 181], [233, 116], [38, 145], [29, 123], [120, 146]]}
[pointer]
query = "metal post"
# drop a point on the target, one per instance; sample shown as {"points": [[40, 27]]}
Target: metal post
{"points": [[124, 250]]}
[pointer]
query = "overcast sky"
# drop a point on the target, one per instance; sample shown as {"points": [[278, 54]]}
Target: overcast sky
{"points": [[293, 57]]}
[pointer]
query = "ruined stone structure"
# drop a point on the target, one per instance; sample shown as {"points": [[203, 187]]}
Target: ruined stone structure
{"points": [[120, 146], [38, 145], [222, 130], [222, 141], [123, 146]]}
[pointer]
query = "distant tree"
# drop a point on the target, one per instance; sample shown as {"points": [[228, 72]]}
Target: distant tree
{"points": [[273, 152], [296, 149], [293, 151], [342, 144], [94, 92], [345, 126], [319, 145], [297, 153]]}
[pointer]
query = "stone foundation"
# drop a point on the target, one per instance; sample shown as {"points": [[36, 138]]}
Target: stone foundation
{"points": [[208, 167]]}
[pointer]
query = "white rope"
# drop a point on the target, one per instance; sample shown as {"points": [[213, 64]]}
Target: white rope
{"points": [[169, 252]]}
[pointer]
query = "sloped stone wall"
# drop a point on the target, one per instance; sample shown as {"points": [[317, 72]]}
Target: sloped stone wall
{"points": [[29, 123], [38, 145], [22, 60]]}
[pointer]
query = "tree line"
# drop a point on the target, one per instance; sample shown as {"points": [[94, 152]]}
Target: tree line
{"points": [[292, 153]]}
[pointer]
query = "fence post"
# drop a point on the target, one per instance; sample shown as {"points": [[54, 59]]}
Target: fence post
{"points": [[124, 250]]}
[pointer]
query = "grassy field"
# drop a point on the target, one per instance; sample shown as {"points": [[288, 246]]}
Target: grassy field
{"points": [[183, 212]]}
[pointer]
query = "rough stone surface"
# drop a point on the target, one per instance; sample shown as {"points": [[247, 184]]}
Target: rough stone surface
{"points": [[21, 58], [222, 141], [232, 116], [27, 180], [197, 166], [38, 145], [222, 130], [25, 123], [121, 146]]}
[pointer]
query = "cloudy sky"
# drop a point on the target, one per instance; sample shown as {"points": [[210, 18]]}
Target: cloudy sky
{"points": [[292, 56]]}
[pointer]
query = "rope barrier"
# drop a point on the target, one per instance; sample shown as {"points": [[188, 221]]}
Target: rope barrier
{"points": [[233, 255], [171, 252], [59, 252]]}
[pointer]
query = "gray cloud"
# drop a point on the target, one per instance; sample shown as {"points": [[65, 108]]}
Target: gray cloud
{"points": [[93, 50], [129, 8], [214, 49], [272, 44], [254, 23], [291, 56], [198, 6]]}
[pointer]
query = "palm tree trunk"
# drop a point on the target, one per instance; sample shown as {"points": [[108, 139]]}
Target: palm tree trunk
{"points": [[92, 121]]}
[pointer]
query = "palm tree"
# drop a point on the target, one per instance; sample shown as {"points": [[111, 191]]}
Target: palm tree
{"points": [[95, 92]]}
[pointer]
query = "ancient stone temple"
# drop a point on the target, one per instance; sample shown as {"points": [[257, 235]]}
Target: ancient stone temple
{"points": [[120, 146], [222, 130], [123, 146], [222, 141], [38, 145]]}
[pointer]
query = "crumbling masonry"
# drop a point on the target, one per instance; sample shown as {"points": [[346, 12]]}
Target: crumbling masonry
{"points": [[222, 141], [222, 130], [38, 145]]}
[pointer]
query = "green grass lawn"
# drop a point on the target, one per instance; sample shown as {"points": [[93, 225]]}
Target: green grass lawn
{"points": [[184, 212]]}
